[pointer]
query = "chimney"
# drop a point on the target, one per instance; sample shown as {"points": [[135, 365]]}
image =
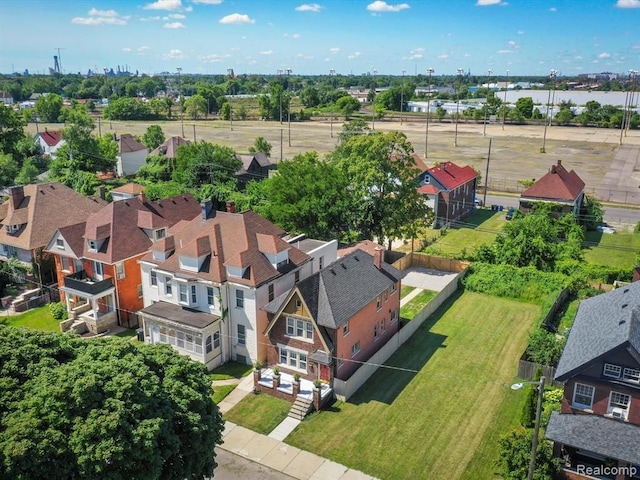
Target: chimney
{"points": [[142, 197], [553, 169], [206, 208], [231, 207], [559, 162], [443, 165], [17, 195], [101, 192], [377, 258]]}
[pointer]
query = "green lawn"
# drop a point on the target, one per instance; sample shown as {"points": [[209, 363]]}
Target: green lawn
{"points": [[406, 290], [260, 413], [231, 370], [37, 318], [221, 391], [439, 413], [614, 250], [416, 304], [569, 315], [480, 227]]}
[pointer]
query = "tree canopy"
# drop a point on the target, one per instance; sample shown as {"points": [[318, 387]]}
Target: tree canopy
{"points": [[153, 137], [102, 409]]}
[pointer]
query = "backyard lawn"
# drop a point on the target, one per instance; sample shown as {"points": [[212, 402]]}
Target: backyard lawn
{"points": [[480, 227], [37, 318], [406, 290], [440, 407], [614, 250], [260, 413], [416, 304]]}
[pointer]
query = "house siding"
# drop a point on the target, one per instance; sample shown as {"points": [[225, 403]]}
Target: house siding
{"points": [[128, 298]]}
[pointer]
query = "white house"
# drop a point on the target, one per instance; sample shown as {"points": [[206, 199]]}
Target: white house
{"points": [[49, 142], [131, 155]]}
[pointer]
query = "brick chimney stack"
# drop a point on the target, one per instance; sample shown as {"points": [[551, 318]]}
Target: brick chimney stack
{"points": [[377, 258], [17, 195], [231, 207], [142, 197]]}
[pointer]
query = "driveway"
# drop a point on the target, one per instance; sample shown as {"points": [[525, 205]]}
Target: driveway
{"points": [[427, 278]]}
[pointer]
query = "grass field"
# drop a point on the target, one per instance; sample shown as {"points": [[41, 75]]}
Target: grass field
{"points": [[439, 412], [615, 250], [37, 318], [416, 304], [480, 227], [406, 290], [230, 370], [260, 413], [221, 391]]}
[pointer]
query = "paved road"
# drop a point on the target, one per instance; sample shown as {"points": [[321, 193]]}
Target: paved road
{"points": [[613, 215], [234, 467]]}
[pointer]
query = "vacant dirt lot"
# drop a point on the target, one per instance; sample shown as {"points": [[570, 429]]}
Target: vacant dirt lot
{"points": [[515, 150]]}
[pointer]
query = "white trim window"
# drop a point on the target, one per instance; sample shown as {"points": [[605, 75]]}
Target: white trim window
{"points": [[302, 329], [619, 404], [153, 278], [611, 371], [212, 342], [631, 375], [355, 348], [65, 264], [194, 294], [345, 329], [375, 331], [182, 293], [239, 298], [242, 335], [168, 290], [583, 395], [394, 316], [60, 243], [120, 272], [211, 296], [295, 359]]}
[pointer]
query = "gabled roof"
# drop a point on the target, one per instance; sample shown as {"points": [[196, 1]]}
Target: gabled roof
{"points": [[556, 184], [44, 208], [73, 236], [603, 324], [364, 245], [130, 188], [127, 144], [122, 223], [339, 291], [169, 147], [233, 239], [51, 138], [428, 190], [451, 176]]}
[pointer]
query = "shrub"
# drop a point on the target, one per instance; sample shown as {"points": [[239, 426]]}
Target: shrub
{"points": [[58, 311], [545, 347]]}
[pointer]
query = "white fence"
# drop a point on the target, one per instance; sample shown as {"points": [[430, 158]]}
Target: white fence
{"points": [[344, 389]]}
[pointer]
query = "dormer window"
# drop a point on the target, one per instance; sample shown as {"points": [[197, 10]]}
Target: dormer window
{"points": [[160, 233], [60, 243], [631, 375], [12, 228], [612, 371], [92, 245]]}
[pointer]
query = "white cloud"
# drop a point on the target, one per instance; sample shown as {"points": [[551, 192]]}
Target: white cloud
{"points": [[208, 2], [164, 5], [143, 48], [604, 55], [520, 32], [174, 25], [177, 16], [334, 50], [94, 12], [101, 17], [295, 35], [150, 19], [380, 6], [486, 3], [443, 56], [309, 7], [126, 49], [504, 51], [415, 56], [553, 9], [636, 46], [628, 4], [354, 55], [174, 54], [266, 52], [236, 19], [214, 58]]}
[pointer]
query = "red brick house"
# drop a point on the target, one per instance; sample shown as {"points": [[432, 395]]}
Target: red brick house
{"points": [[558, 186], [326, 325], [450, 191], [97, 260], [599, 422]]}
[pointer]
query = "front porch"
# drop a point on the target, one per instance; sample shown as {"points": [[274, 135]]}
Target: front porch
{"points": [[90, 303], [284, 386]]}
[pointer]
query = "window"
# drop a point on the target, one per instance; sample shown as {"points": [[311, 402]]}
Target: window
{"points": [[296, 359], [379, 302], [321, 263], [271, 292], [120, 270], [161, 233], [167, 286], [92, 245], [619, 404], [375, 331], [632, 375], [394, 316], [140, 294], [394, 287], [216, 339], [64, 261], [383, 325], [208, 344], [212, 342], [296, 276], [154, 278], [97, 269], [239, 298], [60, 243], [194, 294], [355, 348], [182, 293], [242, 335], [345, 329], [583, 395], [211, 299], [299, 328], [612, 371]]}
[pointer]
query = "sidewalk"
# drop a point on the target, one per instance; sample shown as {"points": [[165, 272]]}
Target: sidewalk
{"points": [[274, 453]]}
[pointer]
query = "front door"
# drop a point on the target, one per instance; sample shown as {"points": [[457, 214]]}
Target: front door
{"points": [[324, 373]]}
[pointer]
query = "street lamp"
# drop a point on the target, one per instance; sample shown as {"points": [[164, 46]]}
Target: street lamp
{"points": [[486, 107], [288, 70], [402, 98], [426, 132], [332, 72], [280, 72], [633, 74], [455, 138], [536, 430], [552, 77], [179, 69], [373, 101], [504, 110], [628, 102]]}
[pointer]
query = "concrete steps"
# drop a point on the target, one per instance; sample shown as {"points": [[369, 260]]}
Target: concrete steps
{"points": [[300, 408]]}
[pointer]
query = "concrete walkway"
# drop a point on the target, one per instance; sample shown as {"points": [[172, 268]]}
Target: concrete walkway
{"points": [[410, 296], [272, 452]]}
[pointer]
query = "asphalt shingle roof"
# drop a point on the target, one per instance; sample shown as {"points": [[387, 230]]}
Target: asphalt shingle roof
{"points": [[556, 184], [604, 436], [451, 176], [602, 324]]}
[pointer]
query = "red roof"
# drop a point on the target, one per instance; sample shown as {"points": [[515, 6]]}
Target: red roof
{"points": [[556, 184], [451, 176], [50, 138], [428, 190]]}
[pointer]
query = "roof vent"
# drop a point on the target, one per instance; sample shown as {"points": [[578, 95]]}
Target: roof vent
{"points": [[332, 271], [343, 265], [626, 290], [625, 305]]}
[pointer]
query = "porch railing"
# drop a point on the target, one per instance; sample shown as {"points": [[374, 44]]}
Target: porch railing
{"points": [[83, 283]]}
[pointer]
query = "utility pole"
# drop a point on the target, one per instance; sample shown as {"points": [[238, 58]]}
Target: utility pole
{"points": [[179, 69], [280, 72], [332, 72], [373, 102], [402, 98], [504, 110], [455, 137], [486, 176], [486, 106], [289, 104], [552, 77], [426, 133]]}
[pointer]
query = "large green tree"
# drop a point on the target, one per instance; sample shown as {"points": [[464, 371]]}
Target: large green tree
{"points": [[260, 144], [153, 137], [202, 163], [49, 107], [515, 455], [102, 409], [195, 106], [11, 129]]}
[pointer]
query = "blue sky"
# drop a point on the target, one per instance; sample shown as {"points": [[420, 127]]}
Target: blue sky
{"points": [[526, 37]]}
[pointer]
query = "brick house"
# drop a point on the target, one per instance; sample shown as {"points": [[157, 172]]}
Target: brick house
{"points": [[599, 422], [221, 268], [558, 186], [450, 192], [31, 216], [327, 324], [97, 260]]}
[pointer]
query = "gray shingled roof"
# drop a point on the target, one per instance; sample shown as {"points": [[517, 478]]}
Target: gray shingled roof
{"points": [[604, 436], [603, 323], [345, 287]]}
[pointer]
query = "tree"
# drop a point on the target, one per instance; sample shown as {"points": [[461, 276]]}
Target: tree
{"points": [[225, 111], [8, 169], [153, 137], [515, 456], [261, 145], [203, 163], [310, 97], [213, 95], [564, 116], [441, 113], [11, 129], [195, 106], [127, 108], [48, 107], [353, 128], [347, 105], [544, 347], [28, 173], [108, 147], [103, 409], [525, 106], [274, 105]]}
